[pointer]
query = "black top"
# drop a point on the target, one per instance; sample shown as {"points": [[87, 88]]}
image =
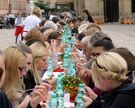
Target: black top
{"points": [[4, 102], [29, 81], [121, 97], [90, 19]]}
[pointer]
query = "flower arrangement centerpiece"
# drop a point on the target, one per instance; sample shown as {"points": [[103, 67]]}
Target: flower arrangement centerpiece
{"points": [[71, 84]]}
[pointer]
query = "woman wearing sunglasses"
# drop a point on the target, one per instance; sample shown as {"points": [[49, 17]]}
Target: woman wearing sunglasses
{"points": [[15, 63]]}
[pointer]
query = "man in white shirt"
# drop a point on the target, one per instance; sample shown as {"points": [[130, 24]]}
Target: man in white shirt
{"points": [[32, 21]]}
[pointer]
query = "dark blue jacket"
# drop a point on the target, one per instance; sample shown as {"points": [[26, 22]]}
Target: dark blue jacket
{"points": [[4, 102], [121, 97]]}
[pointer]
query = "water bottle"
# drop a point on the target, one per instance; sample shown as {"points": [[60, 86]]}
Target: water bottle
{"points": [[60, 97], [50, 62], [53, 101], [81, 90], [58, 82], [79, 103], [50, 68], [65, 61], [71, 68]]}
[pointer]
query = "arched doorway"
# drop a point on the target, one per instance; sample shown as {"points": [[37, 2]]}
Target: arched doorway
{"points": [[111, 10]]}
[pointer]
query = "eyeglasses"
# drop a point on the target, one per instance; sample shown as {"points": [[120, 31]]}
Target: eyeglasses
{"points": [[22, 68], [1, 71], [44, 60]]}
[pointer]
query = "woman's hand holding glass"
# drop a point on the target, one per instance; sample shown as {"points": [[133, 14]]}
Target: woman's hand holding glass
{"points": [[40, 93], [25, 102], [91, 96]]}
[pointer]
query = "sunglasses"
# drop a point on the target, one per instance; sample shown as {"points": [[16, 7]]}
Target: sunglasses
{"points": [[22, 68], [29, 63], [1, 72], [44, 60]]}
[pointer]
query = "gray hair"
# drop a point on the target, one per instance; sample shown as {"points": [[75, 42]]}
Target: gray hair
{"points": [[24, 47], [91, 39], [97, 36], [86, 41], [91, 30], [51, 25]]}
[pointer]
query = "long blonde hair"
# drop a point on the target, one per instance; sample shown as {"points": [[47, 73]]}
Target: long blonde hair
{"points": [[38, 51], [13, 57], [109, 64]]}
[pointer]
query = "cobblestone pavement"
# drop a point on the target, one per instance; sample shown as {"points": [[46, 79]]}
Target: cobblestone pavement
{"points": [[122, 36], [6, 38]]}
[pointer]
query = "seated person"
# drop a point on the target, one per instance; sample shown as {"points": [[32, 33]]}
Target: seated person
{"points": [[4, 102], [109, 72], [13, 85]]}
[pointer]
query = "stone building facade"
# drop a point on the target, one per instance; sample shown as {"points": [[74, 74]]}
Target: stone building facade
{"points": [[110, 10], [61, 4], [13, 6]]}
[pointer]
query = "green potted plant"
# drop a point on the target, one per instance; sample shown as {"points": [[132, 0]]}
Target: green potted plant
{"points": [[71, 84]]}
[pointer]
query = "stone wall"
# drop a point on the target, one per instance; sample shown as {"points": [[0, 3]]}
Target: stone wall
{"points": [[80, 6], [95, 7], [16, 6], [61, 1], [127, 8]]}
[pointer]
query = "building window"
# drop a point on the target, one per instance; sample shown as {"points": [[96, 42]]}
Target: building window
{"points": [[133, 6]]}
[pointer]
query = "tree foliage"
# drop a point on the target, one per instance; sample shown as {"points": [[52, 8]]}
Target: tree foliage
{"points": [[41, 4]]}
